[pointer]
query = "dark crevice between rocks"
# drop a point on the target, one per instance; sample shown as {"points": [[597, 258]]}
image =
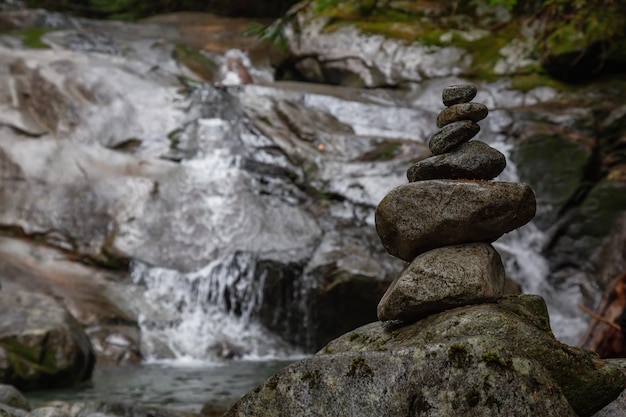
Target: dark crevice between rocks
{"points": [[593, 173], [108, 259]]}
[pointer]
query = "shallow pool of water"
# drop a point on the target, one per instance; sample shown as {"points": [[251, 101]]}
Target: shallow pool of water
{"points": [[176, 386]]}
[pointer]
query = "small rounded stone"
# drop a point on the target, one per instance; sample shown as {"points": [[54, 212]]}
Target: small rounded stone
{"points": [[461, 93], [452, 135], [463, 111]]}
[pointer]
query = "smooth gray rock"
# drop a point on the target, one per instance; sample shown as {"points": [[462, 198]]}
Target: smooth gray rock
{"points": [[41, 344], [9, 395], [473, 160], [416, 217], [462, 111], [444, 278], [461, 93], [483, 360], [8, 411], [452, 135]]}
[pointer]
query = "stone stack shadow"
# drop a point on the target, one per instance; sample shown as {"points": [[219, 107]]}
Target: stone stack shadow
{"points": [[444, 220]]}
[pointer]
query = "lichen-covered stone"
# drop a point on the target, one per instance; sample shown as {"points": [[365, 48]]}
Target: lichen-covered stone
{"points": [[473, 160], [462, 111], [483, 360], [416, 217], [461, 93], [41, 344], [452, 135], [444, 278]]}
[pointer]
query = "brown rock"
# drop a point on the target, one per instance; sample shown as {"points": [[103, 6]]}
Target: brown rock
{"points": [[444, 278], [420, 216]]}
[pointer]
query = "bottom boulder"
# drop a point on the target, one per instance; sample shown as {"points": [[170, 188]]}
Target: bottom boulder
{"points": [[41, 344], [481, 360]]}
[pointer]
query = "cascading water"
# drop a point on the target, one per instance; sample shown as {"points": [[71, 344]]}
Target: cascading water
{"points": [[208, 314], [521, 251]]}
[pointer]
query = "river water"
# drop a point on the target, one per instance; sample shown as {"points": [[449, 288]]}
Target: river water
{"points": [[176, 385]]}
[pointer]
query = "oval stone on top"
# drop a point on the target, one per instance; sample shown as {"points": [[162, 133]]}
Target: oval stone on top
{"points": [[461, 93], [416, 217]]}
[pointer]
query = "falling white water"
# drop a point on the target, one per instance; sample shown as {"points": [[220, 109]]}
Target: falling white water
{"points": [[524, 263], [205, 315]]}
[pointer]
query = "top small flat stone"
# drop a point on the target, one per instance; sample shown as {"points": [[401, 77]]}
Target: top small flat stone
{"points": [[461, 93]]}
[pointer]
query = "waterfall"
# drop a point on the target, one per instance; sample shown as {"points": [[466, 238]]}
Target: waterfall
{"points": [[205, 315], [521, 252]]}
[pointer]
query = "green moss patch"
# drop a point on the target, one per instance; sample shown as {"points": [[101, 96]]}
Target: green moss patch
{"points": [[197, 62], [360, 368], [31, 38]]}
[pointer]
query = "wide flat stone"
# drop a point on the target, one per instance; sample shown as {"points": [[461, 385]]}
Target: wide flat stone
{"points": [[444, 278], [416, 217], [462, 111], [452, 135], [473, 160], [461, 93]]}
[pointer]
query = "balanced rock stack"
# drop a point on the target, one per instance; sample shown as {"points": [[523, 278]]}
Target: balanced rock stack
{"points": [[444, 220]]}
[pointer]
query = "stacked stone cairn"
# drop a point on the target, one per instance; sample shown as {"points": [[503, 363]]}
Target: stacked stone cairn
{"points": [[448, 343], [444, 220]]}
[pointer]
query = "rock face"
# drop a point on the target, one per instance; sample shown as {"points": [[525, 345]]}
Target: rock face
{"points": [[41, 344], [449, 343]]}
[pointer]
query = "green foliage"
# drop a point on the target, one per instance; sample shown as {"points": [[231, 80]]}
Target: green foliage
{"points": [[32, 37], [274, 33]]}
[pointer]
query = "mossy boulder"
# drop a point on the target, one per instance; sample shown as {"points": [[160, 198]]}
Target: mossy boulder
{"points": [[41, 344], [483, 360], [554, 166]]}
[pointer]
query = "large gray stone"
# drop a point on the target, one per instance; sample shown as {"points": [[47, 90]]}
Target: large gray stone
{"points": [[416, 217], [444, 278], [473, 160], [484, 360], [41, 344]]}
